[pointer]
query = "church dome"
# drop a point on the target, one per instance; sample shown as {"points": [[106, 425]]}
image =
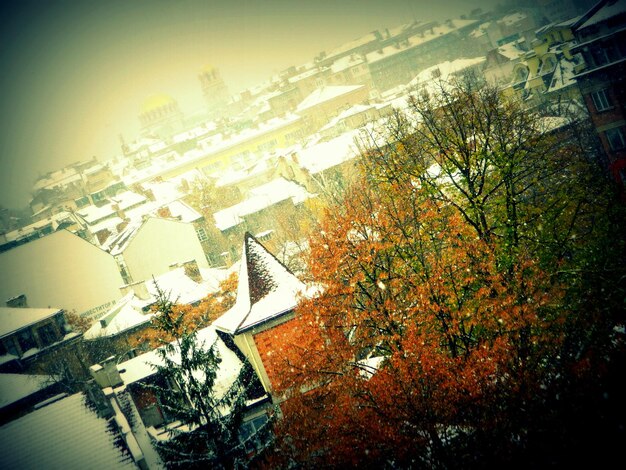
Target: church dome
{"points": [[157, 101], [208, 68]]}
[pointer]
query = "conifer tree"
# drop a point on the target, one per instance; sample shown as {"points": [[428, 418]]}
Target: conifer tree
{"points": [[210, 414]]}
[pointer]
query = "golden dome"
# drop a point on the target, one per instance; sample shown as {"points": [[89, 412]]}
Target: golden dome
{"points": [[157, 101], [208, 68]]}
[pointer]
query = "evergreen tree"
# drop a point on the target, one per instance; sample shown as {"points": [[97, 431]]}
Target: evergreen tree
{"points": [[210, 413]]}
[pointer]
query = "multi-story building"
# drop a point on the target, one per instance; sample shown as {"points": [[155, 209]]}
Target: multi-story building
{"points": [[398, 63], [72, 187], [30, 337], [545, 76], [601, 37]]}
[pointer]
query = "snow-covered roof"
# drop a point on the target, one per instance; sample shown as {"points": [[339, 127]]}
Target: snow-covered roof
{"points": [[14, 387], [512, 50], [324, 94], [346, 62], [129, 312], [551, 123], [141, 367], [510, 20], [54, 221], [13, 319], [563, 75], [417, 40], [64, 434], [354, 44], [256, 168], [443, 70], [611, 9], [481, 30], [118, 243], [306, 74], [182, 211], [260, 198], [321, 156], [266, 290], [93, 214], [196, 132]]}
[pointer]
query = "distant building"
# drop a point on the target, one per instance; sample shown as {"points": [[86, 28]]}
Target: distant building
{"points": [[500, 62], [160, 116], [399, 62], [323, 104], [72, 187], [546, 73], [148, 248], [214, 90]]}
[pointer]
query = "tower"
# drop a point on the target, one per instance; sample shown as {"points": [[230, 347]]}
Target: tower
{"points": [[214, 89]]}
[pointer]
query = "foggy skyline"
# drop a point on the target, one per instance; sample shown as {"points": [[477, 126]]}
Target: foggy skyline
{"points": [[75, 73]]}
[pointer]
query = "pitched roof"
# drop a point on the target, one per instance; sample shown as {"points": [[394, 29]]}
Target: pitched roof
{"points": [[266, 290], [62, 434]]}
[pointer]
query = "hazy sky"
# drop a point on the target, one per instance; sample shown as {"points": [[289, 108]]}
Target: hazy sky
{"points": [[74, 73]]}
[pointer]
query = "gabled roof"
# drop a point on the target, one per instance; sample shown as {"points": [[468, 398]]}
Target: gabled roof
{"points": [[266, 290]]}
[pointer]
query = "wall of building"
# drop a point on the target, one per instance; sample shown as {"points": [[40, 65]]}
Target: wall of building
{"points": [[160, 243]]}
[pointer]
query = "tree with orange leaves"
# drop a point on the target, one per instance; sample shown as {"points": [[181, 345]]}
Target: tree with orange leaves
{"points": [[190, 317], [461, 299]]}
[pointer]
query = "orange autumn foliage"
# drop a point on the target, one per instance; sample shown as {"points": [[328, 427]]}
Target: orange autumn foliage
{"points": [[413, 286]]}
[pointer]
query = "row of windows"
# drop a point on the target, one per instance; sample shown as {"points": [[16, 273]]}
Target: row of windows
{"points": [[26, 340]]}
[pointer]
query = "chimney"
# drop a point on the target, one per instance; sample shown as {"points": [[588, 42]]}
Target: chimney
{"points": [[164, 212], [106, 374], [19, 301], [139, 288], [192, 271]]}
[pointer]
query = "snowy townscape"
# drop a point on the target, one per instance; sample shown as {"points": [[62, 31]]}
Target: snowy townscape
{"points": [[407, 251]]}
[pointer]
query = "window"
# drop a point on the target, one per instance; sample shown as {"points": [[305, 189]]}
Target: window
{"points": [[8, 345], [26, 340], [254, 434], [616, 139], [601, 100], [47, 335], [81, 201], [202, 236]]}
